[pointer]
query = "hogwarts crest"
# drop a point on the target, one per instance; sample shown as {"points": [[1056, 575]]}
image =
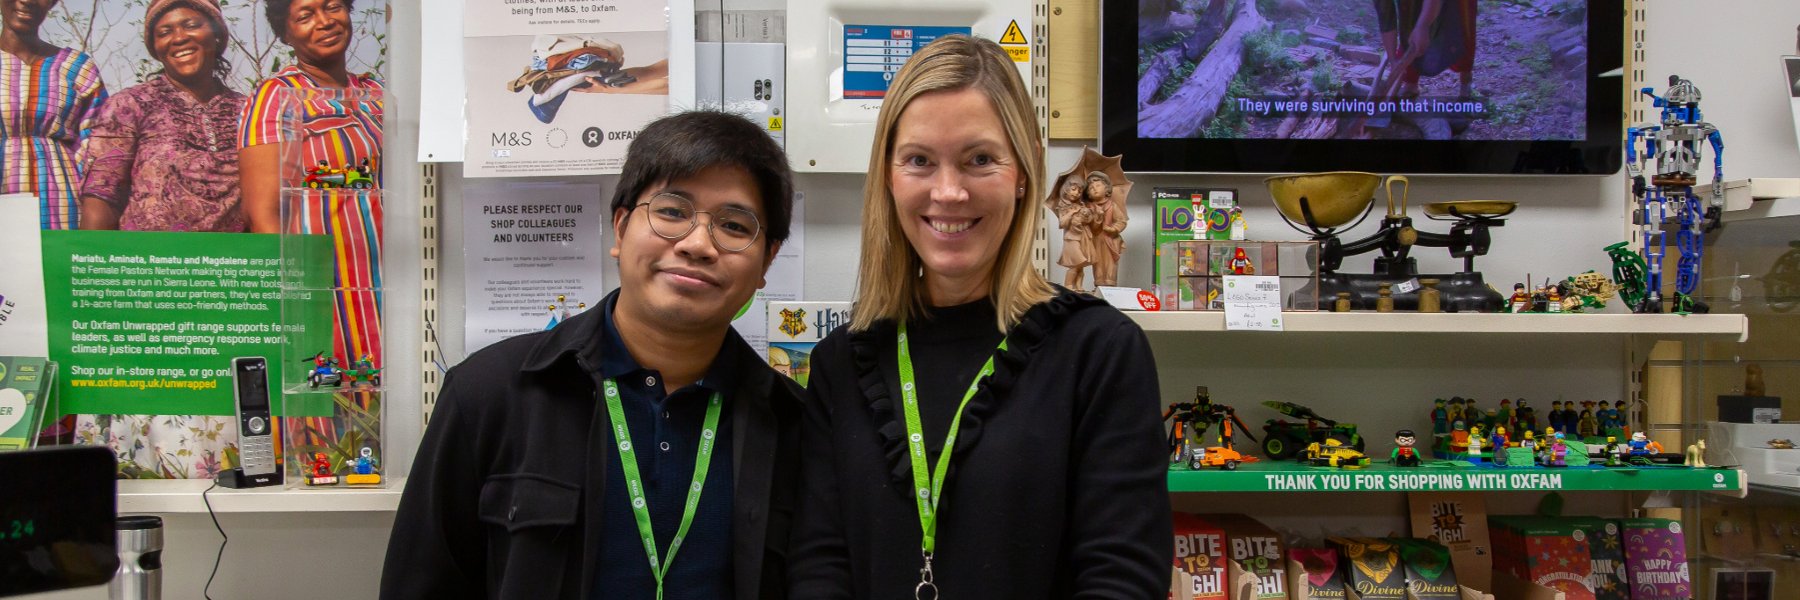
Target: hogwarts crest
{"points": [[793, 321]]}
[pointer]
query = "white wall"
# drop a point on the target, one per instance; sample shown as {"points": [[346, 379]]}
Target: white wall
{"points": [[1382, 382]]}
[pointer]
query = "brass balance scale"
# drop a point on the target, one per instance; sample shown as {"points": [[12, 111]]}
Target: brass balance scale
{"points": [[1327, 203]]}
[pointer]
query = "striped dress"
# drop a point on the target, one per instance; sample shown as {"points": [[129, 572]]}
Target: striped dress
{"points": [[46, 108], [343, 129]]}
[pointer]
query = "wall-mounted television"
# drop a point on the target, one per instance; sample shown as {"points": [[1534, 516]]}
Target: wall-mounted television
{"points": [[1412, 86]]}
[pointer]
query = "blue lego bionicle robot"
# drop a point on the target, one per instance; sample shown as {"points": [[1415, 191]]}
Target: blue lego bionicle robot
{"points": [[1675, 144]]}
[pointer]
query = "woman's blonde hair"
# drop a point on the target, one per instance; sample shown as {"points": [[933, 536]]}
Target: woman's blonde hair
{"points": [[888, 283]]}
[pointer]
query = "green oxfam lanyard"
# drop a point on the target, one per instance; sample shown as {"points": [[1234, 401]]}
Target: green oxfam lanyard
{"points": [[635, 486], [927, 484]]}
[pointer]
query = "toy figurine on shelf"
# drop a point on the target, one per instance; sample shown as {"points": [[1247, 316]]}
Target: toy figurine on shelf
{"points": [[1696, 455], [1440, 418], [363, 467], [1283, 439], [1404, 455], [1240, 264], [1187, 441], [1570, 418], [1615, 453], [1525, 417], [1476, 441], [325, 176], [1642, 445], [321, 474], [1556, 415], [1089, 203], [1628, 273], [325, 371], [1556, 452], [1497, 444], [1588, 290], [1520, 301], [364, 372], [1674, 143], [1504, 416], [1459, 439], [1587, 426]]}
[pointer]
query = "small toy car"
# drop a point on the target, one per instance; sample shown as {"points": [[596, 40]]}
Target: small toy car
{"points": [[1218, 456], [1334, 453]]}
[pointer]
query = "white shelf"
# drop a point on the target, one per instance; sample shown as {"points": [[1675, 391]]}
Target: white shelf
{"points": [[1721, 325], [183, 496], [1741, 194], [1771, 208]]}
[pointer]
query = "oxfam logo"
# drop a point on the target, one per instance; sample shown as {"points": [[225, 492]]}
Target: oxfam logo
{"points": [[917, 438], [906, 387], [625, 446], [637, 502]]}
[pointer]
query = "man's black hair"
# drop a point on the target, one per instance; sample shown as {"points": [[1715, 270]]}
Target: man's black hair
{"points": [[276, 11], [682, 145], [1405, 433]]}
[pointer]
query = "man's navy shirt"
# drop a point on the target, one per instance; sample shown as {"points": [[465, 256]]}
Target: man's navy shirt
{"points": [[665, 431]]}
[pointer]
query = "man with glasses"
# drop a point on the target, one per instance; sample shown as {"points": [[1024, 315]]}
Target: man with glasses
{"points": [[638, 451]]}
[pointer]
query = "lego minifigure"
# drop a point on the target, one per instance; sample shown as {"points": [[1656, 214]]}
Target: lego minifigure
{"points": [[364, 468], [1525, 417], [1440, 418], [1404, 455], [1570, 418], [1556, 416], [1615, 453], [1475, 443], [322, 473], [1459, 438], [1642, 445], [1587, 426], [1556, 454], [1504, 414], [1520, 301], [1240, 264], [1497, 444]]}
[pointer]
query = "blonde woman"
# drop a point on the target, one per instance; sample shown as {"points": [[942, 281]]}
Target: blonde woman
{"points": [[976, 432]]}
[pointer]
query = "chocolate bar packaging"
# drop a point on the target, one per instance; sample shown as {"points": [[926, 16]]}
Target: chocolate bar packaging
{"points": [[1371, 568], [1429, 572], [1314, 574], [1200, 553], [1257, 551]]}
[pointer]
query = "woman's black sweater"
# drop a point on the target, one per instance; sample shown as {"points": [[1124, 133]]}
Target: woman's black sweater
{"points": [[1058, 482]]}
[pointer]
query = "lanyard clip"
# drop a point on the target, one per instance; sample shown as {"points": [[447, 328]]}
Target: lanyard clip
{"points": [[926, 590]]}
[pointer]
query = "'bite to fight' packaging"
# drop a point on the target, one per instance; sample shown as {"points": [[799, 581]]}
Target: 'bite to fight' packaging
{"points": [[1371, 568], [1258, 553], [1314, 574], [1429, 573], [1656, 559], [1550, 552], [1200, 553]]}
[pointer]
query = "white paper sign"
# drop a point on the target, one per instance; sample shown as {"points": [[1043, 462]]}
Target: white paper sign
{"points": [[527, 244], [561, 87], [23, 320], [1128, 298], [1253, 317], [1252, 289], [1791, 66], [1407, 287]]}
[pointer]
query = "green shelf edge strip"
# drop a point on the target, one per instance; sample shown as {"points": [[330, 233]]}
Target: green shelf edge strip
{"points": [[1269, 476]]}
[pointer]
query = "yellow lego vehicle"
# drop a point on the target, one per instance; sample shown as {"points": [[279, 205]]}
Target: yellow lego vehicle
{"points": [[1334, 453]]}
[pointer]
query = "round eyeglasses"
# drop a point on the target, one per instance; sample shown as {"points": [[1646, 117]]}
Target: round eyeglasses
{"points": [[673, 217]]}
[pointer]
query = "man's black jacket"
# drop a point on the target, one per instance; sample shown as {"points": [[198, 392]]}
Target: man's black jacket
{"points": [[503, 499]]}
